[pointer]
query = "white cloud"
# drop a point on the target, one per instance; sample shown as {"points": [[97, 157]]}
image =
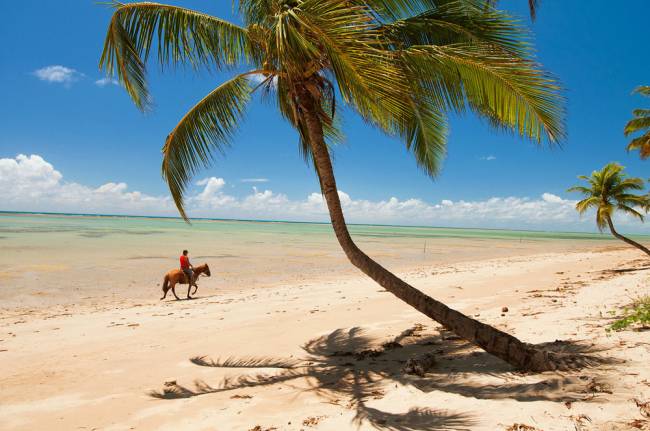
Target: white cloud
{"points": [[58, 74], [550, 197], [106, 81], [489, 158], [254, 180], [30, 183]]}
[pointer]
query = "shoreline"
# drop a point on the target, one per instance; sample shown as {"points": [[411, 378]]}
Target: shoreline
{"points": [[121, 298]]}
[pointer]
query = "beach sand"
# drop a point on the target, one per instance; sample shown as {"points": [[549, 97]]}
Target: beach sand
{"points": [[326, 353]]}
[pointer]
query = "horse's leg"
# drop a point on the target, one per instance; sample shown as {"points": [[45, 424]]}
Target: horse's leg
{"points": [[196, 287], [174, 291], [165, 287], [189, 287]]}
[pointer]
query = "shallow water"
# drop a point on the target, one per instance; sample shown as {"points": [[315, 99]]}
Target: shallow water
{"points": [[70, 259]]}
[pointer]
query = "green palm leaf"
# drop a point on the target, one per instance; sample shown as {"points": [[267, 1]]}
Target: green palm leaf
{"points": [[643, 90], [184, 36], [207, 127], [359, 64], [585, 204], [629, 210], [640, 123], [642, 144], [637, 124], [512, 92], [460, 22]]}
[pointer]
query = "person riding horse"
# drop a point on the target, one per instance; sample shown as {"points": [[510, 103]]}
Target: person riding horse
{"points": [[187, 268]]}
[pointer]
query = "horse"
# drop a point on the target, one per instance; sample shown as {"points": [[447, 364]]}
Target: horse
{"points": [[177, 276]]}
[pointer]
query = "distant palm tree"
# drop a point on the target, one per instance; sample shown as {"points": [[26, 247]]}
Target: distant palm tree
{"points": [[609, 190], [400, 64], [640, 123]]}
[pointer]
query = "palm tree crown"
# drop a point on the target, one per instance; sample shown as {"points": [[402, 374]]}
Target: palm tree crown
{"points": [[640, 123], [401, 64], [610, 190]]}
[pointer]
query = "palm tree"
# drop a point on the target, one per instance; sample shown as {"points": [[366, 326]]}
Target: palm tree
{"points": [[640, 123], [401, 64], [609, 190]]}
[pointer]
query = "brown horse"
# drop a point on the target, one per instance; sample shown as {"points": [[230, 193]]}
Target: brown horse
{"points": [[176, 276]]}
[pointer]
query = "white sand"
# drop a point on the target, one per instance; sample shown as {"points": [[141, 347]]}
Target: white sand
{"points": [[95, 367]]}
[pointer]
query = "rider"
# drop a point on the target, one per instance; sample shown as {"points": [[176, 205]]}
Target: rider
{"points": [[187, 267]]}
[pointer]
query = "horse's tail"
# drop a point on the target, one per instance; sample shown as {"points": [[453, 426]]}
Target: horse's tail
{"points": [[165, 285]]}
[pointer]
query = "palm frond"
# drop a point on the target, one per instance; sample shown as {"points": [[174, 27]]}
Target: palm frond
{"points": [[533, 5], [425, 134], [580, 189], [637, 124], [456, 22], [257, 11], [640, 123], [184, 36], [642, 143], [390, 10], [643, 90], [622, 185], [367, 76], [630, 211], [513, 93], [590, 202], [207, 127], [641, 112], [632, 200]]}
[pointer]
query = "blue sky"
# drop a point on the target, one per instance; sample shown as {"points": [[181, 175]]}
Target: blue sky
{"points": [[93, 135]]}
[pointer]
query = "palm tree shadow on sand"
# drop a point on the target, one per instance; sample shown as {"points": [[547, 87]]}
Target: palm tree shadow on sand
{"points": [[349, 368]]}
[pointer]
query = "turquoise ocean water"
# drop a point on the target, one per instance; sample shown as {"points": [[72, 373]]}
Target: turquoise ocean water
{"points": [[13, 225], [67, 258]]}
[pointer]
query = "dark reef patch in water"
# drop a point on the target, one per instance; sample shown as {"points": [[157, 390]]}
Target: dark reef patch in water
{"points": [[93, 234]]}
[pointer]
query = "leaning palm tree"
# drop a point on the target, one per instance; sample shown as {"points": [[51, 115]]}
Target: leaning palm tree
{"points": [[402, 65], [640, 123], [610, 190]]}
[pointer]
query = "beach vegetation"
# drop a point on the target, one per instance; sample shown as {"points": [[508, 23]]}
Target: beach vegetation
{"points": [[635, 315], [640, 123], [610, 190], [402, 65]]}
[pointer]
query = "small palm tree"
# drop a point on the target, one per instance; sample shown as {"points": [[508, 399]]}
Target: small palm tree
{"points": [[400, 64], [609, 190], [640, 123]]}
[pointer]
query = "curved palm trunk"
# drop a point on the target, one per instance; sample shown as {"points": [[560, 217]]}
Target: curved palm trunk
{"points": [[626, 239], [496, 342]]}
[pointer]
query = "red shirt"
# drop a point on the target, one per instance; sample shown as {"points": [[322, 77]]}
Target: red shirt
{"points": [[185, 262]]}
